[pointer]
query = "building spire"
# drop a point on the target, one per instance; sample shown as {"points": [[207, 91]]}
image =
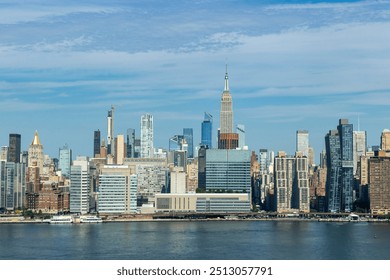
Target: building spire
{"points": [[36, 139], [226, 81]]}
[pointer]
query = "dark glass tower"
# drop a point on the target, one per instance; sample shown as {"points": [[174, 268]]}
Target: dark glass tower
{"points": [[96, 142], [14, 148], [130, 142], [207, 131], [188, 135], [339, 161]]}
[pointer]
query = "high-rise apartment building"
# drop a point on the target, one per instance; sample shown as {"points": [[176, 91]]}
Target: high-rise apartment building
{"points": [[291, 183], [147, 150], [65, 160], [189, 137], [14, 148], [207, 131], [130, 143], [359, 147], [96, 143], [339, 154], [385, 140], [379, 185], [80, 186], [302, 143]]}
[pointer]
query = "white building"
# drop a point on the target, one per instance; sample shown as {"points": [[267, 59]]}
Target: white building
{"points": [[303, 142], [178, 180], [147, 149], [80, 186], [117, 190]]}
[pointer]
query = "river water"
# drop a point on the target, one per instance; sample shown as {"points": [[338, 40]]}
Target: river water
{"points": [[199, 240]]}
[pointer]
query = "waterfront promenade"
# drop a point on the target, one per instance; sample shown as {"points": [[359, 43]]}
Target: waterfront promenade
{"points": [[161, 217]]}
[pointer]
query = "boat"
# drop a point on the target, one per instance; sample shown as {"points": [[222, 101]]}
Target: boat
{"points": [[61, 220], [91, 219]]}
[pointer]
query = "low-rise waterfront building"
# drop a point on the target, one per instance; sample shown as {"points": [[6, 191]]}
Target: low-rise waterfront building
{"points": [[203, 203]]}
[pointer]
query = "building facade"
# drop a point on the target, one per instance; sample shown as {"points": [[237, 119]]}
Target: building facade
{"points": [[117, 190], [14, 148], [359, 147], [228, 170], [203, 203], [302, 142], [207, 131], [379, 185], [291, 183], [96, 143], [339, 154], [385, 140], [189, 137], [147, 149], [65, 160], [80, 186]]}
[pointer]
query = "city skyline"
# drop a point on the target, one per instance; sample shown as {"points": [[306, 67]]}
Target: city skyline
{"points": [[299, 66]]}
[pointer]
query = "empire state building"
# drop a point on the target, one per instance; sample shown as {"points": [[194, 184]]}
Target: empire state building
{"points": [[227, 139], [226, 113]]}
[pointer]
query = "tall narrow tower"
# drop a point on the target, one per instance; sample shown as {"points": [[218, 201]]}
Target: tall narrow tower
{"points": [[227, 139], [147, 149], [110, 131], [226, 113]]}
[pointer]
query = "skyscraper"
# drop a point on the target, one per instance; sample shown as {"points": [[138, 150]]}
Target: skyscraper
{"points": [[291, 183], [359, 147], [96, 142], [35, 153], [227, 139], [227, 170], [130, 143], [339, 157], [226, 113], [147, 136], [188, 136], [14, 148], [207, 131], [65, 161], [110, 131], [303, 142]]}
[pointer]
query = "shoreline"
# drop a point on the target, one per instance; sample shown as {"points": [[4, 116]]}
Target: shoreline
{"points": [[131, 220]]}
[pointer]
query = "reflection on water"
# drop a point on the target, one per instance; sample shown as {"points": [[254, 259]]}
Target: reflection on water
{"points": [[197, 240]]}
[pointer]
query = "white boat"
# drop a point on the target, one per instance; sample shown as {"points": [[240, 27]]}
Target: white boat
{"points": [[61, 220], [91, 219]]}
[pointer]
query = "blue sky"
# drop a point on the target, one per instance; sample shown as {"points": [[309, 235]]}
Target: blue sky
{"points": [[292, 65]]}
